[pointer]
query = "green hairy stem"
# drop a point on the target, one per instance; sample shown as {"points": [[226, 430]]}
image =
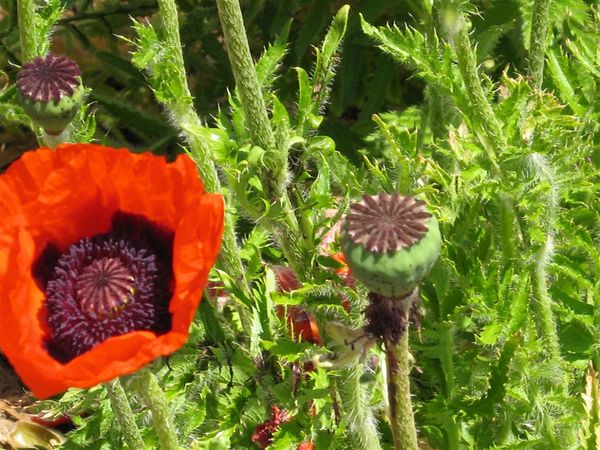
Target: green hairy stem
{"points": [[187, 119], [147, 387], [122, 410], [538, 41], [27, 32], [362, 423], [467, 63], [244, 73], [285, 227], [399, 365], [402, 419], [542, 300]]}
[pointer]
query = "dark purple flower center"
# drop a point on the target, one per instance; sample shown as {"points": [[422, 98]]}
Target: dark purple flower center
{"points": [[48, 78], [107, 285]]}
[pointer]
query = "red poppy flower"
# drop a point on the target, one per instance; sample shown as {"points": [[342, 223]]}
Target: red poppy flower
{"points": [[301, 322], [263, 434], [103, 258], [344, 272]]}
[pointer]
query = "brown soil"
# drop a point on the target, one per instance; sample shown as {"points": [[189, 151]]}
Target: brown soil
{"points": [[11, 388], [13, 143]]}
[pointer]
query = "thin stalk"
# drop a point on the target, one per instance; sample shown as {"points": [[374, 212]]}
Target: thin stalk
{"points": [[284, 227], [362, 422], [27, 32], [187, 119], [595, 297], [183, 108], [54, 141], [538, 41], [546, 323], [147, 387], [244, 73], [467, 63], [402, 421], [122, 410], [440, 109], [548, 333], [543, 302], [399, 364]]}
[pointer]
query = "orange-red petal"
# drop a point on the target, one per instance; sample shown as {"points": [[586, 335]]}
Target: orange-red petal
{"points": [[62, 196]]}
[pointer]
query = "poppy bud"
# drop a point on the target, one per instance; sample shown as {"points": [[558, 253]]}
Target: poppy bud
{"points": [[50, 91], [390, 243]]}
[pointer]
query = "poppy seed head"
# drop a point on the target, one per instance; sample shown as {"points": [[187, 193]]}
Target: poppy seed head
{"points": [[390, 242], [387, 222], [48, 78], [105, 287]]}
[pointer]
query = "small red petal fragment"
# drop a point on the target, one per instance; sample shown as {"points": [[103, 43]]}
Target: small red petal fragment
{"points": [[306, 446]]}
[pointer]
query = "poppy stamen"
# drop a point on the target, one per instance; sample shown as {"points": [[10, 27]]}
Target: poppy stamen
{"points": [[109, 285], [104, 288]]}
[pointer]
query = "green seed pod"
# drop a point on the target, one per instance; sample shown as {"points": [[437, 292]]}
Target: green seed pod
{"points": [[390, 243], [50, 91]]}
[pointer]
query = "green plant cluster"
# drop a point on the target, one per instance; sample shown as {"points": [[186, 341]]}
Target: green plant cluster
{"points": [[437, 98]]}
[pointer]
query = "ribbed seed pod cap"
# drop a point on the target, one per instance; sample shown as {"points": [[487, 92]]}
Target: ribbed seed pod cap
{"points": [[50, 91], [390, 242]]}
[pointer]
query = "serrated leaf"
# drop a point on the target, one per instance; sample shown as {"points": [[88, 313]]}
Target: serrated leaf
{"points": [[270, 60], [490, 333], [289, 350]]}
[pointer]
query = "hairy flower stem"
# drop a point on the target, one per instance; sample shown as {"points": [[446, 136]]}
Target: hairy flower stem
{"points": [[122, 410], [542, 300], [402, 421], [596, 354], [441, 111], [27, 35], [183, 108], [398, 363], [187, 119], [467, 63], [54, 141], [538, 41], [285, 227], [147, 387], [362, 424], [244, 72]]}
